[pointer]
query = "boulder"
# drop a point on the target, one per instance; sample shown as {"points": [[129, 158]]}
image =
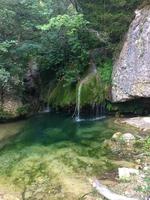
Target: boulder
{"points": [[143, 123], [128, 138], [116, 136], [121, 144], [126, 173], [131, 72]]}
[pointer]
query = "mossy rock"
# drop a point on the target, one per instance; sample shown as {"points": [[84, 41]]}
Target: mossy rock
{"points": [[62, 95], [92, 90]]}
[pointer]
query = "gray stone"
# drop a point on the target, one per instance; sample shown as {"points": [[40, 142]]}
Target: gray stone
{"points": [[128, 138], [142, 123], [131, 72], [125, 173]]}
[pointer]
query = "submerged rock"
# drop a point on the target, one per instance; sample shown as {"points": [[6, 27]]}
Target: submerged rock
{"points": [[121, 144], [131, 73]]}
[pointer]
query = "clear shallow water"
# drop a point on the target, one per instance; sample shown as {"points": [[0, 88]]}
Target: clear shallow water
{"points": [[47, 129], [57, 154]]}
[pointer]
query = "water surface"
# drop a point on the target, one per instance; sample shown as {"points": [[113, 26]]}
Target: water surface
{"points": [[52, 156]]}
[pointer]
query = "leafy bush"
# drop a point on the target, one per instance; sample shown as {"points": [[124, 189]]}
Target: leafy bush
{"points": [[106, 71], [67, 52], [4, 114], [23, 110], [147, 145]]}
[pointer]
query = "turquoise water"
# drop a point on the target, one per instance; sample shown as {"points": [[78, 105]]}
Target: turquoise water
{"points": [[47, 129], [55, 151]]}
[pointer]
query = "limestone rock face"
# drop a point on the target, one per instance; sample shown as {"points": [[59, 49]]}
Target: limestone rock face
{"points": [[131, 73], [11, 104]]}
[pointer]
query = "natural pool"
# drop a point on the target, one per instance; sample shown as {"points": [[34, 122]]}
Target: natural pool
{"points": [[52, 156]]}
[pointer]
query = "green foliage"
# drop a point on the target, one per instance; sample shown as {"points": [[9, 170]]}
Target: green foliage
{"points": [[4, 115], [23, 110], [111, 107], [62, 95], [70, 76], [105, 71], [67, 53], [28, 50], [4, 84], [4, 46], [111, 19], [91, 91], [72, 23], [147, 145], [61, 39], [4, 78]]}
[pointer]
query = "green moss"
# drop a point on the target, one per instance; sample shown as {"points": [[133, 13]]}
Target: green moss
{"points": [[105, 71], [92, 90], [62, 95]]}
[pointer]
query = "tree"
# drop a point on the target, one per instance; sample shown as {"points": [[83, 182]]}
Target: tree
{"points": [[4, 84], [67, 53]]}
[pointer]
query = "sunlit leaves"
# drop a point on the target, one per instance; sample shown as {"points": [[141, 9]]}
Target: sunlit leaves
{"points": [[4, 77], [72, 22], [4, 46]]}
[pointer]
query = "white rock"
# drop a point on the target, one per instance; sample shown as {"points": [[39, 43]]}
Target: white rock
{"points": [[128, 137], [125, 173]]}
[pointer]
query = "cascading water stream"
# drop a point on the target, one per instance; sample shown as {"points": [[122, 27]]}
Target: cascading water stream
{"points": [[98, 110], [46, 109], [79, 102]]}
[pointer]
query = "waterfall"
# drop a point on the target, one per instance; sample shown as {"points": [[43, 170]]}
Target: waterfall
{"points": [[98, 111], [79, 102], [95, 111], [46, 109]]}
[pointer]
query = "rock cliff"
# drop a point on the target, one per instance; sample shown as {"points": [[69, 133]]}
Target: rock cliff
{"points": [[131, 72]]}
